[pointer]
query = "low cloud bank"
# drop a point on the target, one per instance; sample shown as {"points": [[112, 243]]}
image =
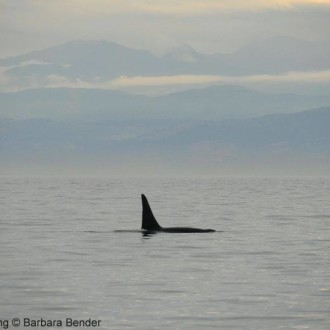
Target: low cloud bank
{"points": [[11, 84]]}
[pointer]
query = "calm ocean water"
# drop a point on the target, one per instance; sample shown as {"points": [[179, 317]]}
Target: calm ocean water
{"points": [[60, 256]]}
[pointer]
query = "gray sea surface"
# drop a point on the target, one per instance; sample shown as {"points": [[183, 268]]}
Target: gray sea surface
{"points": [[268, 267]]}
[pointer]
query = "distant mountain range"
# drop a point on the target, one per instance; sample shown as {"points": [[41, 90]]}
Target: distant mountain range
{"points": [[212, 103], [225, 124], [102, 59], [97, 61], [304, 133]]}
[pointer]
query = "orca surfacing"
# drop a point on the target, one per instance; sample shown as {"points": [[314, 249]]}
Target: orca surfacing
{"points": [[149, 222]]}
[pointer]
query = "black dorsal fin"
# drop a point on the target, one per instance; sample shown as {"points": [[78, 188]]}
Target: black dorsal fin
{"points": [[149, 222]]}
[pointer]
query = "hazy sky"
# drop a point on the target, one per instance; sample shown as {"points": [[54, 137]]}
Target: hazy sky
{"points": [[157, 25], [209, 26]]}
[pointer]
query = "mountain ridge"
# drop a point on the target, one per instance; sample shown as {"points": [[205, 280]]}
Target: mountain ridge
{"points": [[257, 57], [215, 102], [304, 131]]}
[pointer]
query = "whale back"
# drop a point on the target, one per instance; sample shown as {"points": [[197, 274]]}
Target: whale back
{"points": [[149, 221]]}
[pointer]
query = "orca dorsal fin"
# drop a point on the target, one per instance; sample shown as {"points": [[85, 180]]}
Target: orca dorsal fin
{"points": [[149, 221]]}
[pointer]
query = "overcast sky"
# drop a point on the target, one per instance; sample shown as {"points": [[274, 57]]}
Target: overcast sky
{"points": [[207, 25]]}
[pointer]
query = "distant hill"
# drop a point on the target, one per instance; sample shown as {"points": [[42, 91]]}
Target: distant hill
{"points": [[86, 59], [279, 55], [212, 103], [71, 104], [305, 133], [219, 125], [90, 59]]}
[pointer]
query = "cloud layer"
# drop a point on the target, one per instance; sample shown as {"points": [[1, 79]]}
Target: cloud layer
{"points": [[207, 25], [151, 84], [164, 7]]}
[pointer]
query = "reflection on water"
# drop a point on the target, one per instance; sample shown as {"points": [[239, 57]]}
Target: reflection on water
{"points": [[73, 248]]}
